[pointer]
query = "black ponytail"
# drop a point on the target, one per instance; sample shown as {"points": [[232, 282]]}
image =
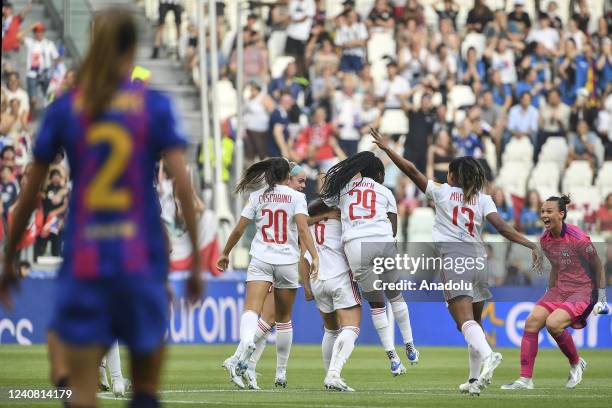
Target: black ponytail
{"points": [[562, 203], [272, 170], [364, 163], [469, 175]]}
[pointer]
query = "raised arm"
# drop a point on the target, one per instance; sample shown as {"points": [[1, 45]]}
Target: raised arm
{"points": [[507, 231], [406, 166]]}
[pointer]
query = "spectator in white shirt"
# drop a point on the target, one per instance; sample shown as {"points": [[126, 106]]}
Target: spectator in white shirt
{"points": [[502, 60], [15, 91], [523, 118], [301, 13], [545, 34], [347, 109], [394, 88], [351, 37], [41, 55]]}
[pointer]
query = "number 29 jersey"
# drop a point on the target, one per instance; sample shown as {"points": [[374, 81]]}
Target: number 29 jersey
{"points": [[113, 226], [456, 220], [274, 211], [364, 205]]}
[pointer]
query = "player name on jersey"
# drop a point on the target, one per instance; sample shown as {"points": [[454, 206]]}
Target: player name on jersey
{"points": [[458, 197], [274, 198]]}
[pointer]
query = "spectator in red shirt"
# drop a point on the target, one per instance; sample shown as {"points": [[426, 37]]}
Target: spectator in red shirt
{"points": [[604, 215], [318, 142], [11, 23]]}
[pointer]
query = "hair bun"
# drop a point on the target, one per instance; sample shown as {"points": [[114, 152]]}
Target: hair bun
{"points": [[565, 199]]}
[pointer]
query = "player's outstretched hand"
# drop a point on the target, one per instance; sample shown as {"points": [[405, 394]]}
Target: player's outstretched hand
{"points": [[314, 268], [8, 280], [378, 139], [222, 262], [537, 261]]}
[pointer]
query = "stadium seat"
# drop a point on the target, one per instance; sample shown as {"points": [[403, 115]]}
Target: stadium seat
{"points": [[380, 45], [228, 104], [554, 150], [421, 223], [545, 175], [585, 198], [276, 47], [378, 69], [604, 180], [575, 217], [490, 154], [519, 150], [278, 66], [578, 174], [460, 96], [512, 177], [476, 40], [394, 121]]}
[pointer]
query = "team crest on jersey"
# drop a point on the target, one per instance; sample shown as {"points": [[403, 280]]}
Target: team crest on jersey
{"points": [[565, 252]]}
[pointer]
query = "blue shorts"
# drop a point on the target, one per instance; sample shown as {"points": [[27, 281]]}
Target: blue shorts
{"points": [[98, 312], [351, 63]]}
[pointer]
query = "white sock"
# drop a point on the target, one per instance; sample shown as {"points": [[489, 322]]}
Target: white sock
{"points": [[284, 337], [114, 362], [475, 361], [327, 346], [475, 337], [238, 351], [248, 326], [381, 324], [343, 347], [261, 339], [402, 318]]}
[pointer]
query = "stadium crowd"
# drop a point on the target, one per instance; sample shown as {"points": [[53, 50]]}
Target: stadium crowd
{"points": [[442, 79], [442, 82]]}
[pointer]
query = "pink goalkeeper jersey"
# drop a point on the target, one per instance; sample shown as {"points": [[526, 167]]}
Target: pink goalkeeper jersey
{"points": [[571, 254]]}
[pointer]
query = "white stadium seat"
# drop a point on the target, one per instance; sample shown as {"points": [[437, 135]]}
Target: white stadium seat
{"points": [[461, 95], [476, 40], [578, 174], [519, 150], [228, 102], [545, 175], [278, 66], [379, 45], [585, 198], [276, 46], [554, 150], [394, 121], [421, 223], [604, 180]]}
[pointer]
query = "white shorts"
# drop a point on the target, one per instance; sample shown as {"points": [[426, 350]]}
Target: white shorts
{"points": [[281, 276], [339, 292], [361, 254]]}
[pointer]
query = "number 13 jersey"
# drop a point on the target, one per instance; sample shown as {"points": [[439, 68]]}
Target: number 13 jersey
{"points": [[456, 220], [276, 238], [364, 205]]}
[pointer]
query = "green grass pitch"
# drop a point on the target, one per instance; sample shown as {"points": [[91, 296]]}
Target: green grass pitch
{"points": [[193, 377]]}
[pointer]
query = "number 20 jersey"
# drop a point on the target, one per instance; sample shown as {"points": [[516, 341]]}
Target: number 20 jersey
{"points": [[113, 225], [276, 237], [364, 205], [456, 220]]}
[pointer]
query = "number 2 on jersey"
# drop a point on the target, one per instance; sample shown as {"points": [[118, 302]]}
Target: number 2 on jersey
{"points": [[365, 198], [278, 220], [469, 212], [101, 193]]}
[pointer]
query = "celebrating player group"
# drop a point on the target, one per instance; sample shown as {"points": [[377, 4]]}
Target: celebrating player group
{"points": [[354, 222]]}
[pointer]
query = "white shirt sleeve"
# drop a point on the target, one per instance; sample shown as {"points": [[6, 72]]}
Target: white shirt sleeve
{"points": [[391, 203], [300, 204], [341, 36], [249, 210], [430, 190], [487, 204], [310, 9], [52, 49]]}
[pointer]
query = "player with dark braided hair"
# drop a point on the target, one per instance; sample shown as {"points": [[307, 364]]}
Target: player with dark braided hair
{"points": [[369, 225], [461, 211]]}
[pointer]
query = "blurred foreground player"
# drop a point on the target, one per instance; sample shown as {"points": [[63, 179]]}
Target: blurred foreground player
{"points": [[112, 281], [576, 286]]}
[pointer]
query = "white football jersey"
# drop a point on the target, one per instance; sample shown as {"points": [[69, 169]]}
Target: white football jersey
{"points": [[364, 205], [328, 242], [276, 239], [456, 220]]}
